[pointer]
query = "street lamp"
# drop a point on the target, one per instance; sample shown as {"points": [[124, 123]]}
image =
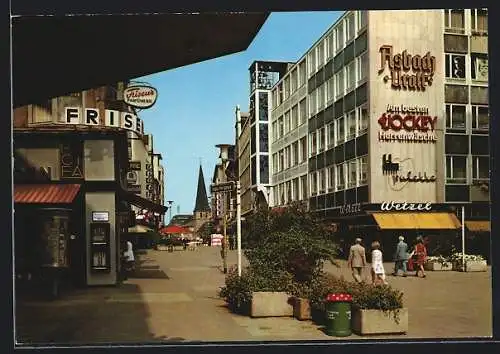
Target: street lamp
{"points": [[170, 202]]}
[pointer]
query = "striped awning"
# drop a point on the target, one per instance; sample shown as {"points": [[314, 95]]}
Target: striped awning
{"points": [[45, 193]]}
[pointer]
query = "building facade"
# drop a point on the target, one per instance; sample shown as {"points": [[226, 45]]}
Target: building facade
{"points": [[397, 119]]}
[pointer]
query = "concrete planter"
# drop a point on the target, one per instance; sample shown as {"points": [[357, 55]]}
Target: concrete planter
{"points": [[366, 322], [161, 248], [301, 309], [271, 304], [472, 266], [436, 266]]}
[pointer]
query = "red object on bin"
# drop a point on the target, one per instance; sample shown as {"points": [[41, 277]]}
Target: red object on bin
{"points": [[339, 298]]}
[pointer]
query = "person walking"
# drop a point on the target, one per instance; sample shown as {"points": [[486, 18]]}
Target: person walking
{"points": [[401, 257], [420, 254], [129, 259], [378, 271], [357, 260]]}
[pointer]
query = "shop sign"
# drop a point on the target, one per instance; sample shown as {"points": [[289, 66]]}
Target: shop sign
{"points": [[407, 71], [71, 161], [149, 181], [140, 96], [407, 124], [112, 118], [134, 188], [350, 209], [399, 173], [405, 206]]}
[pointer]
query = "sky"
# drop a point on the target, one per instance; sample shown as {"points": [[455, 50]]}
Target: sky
{"points": [[196, 103]]}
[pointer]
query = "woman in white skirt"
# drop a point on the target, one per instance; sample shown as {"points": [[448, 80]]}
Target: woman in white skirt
{"points": [[378, 271]]}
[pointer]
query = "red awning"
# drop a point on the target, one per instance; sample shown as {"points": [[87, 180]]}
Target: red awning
{"points": [[45, 193], [174, 229]]}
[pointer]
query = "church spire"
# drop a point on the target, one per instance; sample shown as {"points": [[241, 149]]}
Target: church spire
{"points": [[201, 195]]}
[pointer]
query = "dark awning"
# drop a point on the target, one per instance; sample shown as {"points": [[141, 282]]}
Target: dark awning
{"points": [[140, 202], [107, 49], [45, 193]]}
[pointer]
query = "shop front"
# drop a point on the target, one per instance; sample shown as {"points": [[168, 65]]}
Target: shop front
{"points": [[385, 222]]}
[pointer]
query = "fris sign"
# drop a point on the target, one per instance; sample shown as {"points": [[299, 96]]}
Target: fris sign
{"points": [[140, 96], [407, 71]]}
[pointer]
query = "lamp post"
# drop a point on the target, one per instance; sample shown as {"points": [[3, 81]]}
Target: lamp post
{"points": [[170, 202]]}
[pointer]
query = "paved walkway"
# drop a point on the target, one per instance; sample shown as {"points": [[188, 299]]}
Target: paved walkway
{"points": [[173, 297]]}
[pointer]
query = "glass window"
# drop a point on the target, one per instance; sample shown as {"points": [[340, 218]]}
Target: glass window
{"points": [[350, 26], [480, 118], [302, 73], [275, 131], [329, 45], [479, 20], [287, 158], [263, 138], [302, 112], [456, 169], [479, 67], [303, 149], [263, 106], [352, 173], [351, 75], [275, 163], [314, 183], [321, 181], [362, 120], [363, 171], [295, 153], [454, 20], [362, 69], [286, 87], [303, 187], [331, 178], [331, 134], [313, 144], [480, 168], [362, 19], [294, 84], [312, 62], [340, 130], [281, 160], [280, 93], [295, 189], [455, 116], [312, 102], [281, 128], [455, 66], [264, 168], [339, 84], [340, 175], [321, 97], [339, 34], [287, 122], [321, 53], [329, 90], [351, 125], [295, 117], [321, 139]]}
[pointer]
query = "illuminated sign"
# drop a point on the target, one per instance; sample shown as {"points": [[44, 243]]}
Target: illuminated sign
{"points": [[140, 96], [71, 161], [112, 118], [407, 124], [400, 65]]}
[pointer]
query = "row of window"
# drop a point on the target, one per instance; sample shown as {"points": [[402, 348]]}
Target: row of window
{"points": [[290, 191], [460, 116], [290, 156], [341, 130], [456, 168], [293, 118], [333, 42], [465, 66], [454, 20], [350, 174], [290, 84], [344, 81]]}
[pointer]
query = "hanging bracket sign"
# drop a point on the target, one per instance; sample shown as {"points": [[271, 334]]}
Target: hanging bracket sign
{"points": [[140, 96]]}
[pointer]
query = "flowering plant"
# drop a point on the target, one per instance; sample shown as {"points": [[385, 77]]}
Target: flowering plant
{"points": [[444, 261], [457, 257]]}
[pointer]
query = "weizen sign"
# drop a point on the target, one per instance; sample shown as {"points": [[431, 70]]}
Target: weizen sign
{"points": [[115, 119], [140, 96], [407, 124], [423, 68]]}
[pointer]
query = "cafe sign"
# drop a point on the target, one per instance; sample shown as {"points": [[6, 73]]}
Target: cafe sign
{"points": [[140, 96], [411, 72]]}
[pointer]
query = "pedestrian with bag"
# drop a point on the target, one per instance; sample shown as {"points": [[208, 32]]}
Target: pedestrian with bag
{"points": [[357, 260], [419, 256]]}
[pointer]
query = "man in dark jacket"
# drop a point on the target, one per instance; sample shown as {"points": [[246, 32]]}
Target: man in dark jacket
{"points": [[401, 257]]}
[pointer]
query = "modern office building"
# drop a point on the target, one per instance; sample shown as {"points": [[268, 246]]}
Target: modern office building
{"points": [[397, 124]]}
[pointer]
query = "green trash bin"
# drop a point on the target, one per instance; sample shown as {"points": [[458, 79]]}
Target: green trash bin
{"points": [[338, 315]]}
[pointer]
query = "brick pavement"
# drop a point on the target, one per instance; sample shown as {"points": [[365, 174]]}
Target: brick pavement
{"points": [[174, 298]]}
